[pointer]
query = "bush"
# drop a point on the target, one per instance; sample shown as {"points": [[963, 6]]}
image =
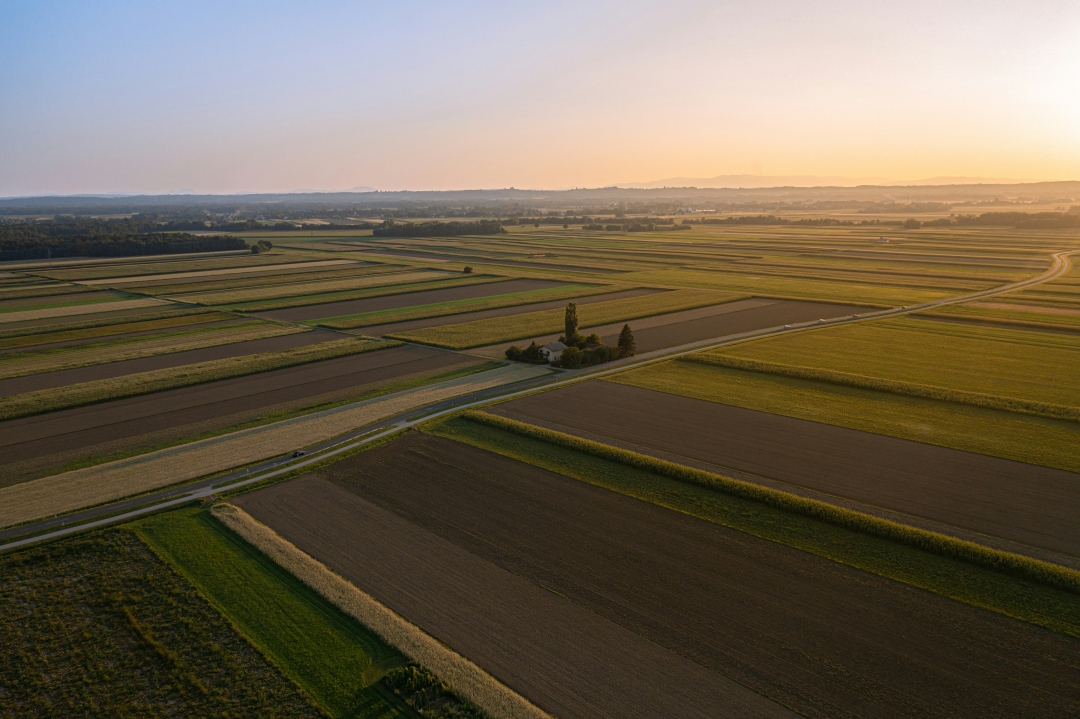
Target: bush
{"points": [[572, 358], [912, 224], [467, 270], [261, 246]]}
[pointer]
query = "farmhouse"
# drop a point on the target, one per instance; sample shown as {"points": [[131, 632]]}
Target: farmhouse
{"points": [[552, 351]]}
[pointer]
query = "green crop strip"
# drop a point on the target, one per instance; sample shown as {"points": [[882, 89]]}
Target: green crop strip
{"points": [[334, 659], [1027, 589]]}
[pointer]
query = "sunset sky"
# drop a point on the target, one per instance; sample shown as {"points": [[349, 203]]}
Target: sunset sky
{"points": [[240, 97]]}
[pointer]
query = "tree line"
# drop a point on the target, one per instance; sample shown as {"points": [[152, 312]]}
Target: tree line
{"points": [[390, 228], [100, 238]]}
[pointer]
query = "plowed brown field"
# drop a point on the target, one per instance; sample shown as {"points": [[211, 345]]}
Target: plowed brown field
{"points": [[409, 299], [33, 446], [1026, 503], [813, 635], [565, 659]]}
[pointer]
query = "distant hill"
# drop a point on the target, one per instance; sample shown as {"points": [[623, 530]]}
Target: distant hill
{"points": [[771, 181]]}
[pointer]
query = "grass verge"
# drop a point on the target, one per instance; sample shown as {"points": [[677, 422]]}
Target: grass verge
{"points": [[77, 395], [330, 656], [1036, 592]]}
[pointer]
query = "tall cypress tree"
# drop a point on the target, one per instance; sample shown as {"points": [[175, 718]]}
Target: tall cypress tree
{"points": [[627, 347], [571, 323]]}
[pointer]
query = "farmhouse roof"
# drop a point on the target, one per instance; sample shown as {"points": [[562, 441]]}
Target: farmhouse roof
{"points": [[555, 346]]}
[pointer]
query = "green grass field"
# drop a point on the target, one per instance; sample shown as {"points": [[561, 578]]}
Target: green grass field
{"points": [[991, 360], [39, 337], [335, 660], [67, 301], [1022, 437], [441, 309], [277, 291], [99, 626], [1047, 606], [478, 333], [133, 266], [1019, 315], [288, 275]]}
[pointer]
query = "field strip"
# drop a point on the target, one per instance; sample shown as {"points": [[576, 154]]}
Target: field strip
{"points": [[62, 358], [462, 676], [273, 292], [80, 309], [47, 263], [107, 482], [210, 273]]}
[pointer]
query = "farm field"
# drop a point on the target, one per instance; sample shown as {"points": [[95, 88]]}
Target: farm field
{"points": [[82, 332], [679, 328], [995, 361], [273, 292], [334, 660], [479, 333], [408, 299], [104, 608], [283, 338], [1025, 503], [134, 266], [130, 348], [105, 482], [797, 629], [71, 308], [554, 653], [408, 326], [233, 272], [33, 446], [999, 433]]}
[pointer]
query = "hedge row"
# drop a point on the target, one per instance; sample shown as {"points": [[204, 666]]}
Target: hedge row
{"points": [[912, 389], [1013, 564]]}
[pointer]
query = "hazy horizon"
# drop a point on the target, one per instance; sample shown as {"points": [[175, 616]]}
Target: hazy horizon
{"points": [[231, 98]]}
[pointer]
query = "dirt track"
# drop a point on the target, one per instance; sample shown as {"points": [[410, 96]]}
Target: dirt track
{"points": [[410, 299], [1021, 502], [679, 328], [565, 659], [48, 380], [33, 446], [819, 637]]}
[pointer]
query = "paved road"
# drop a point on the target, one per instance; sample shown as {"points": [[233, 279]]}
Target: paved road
{"points": [[131, 508]]}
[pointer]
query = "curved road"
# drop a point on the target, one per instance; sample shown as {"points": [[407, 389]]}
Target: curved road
{"points": [[128, 509]]}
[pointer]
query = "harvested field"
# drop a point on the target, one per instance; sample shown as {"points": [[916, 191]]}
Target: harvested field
{"points": [[77, 489], [478, 333], [81, 309], [98, 625], [816, 636], [34, 383], [679, 328], [113, 350], [410, 299], [42, 444], [568, 661], [213, 273], [1025, 503], [390, 328]]}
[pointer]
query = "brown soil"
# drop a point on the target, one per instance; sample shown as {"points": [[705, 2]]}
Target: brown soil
{"points": [[1025, 503], [410, 299], [560, 656], [48, 380], [502, 312], [34, 446], [813, 635]]}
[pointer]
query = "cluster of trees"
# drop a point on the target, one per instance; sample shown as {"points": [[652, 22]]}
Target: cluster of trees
{"points": [[1020, 220], [261, 246], [800, 222], [86, 237], [438, 229], [581, 351]]}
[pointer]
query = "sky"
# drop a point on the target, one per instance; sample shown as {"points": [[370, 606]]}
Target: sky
{"points": [[221, 97]]}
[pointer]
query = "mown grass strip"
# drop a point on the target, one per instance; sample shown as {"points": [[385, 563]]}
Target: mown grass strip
{"points": [[77, 395], [302, 300], [478, 333], [946, 546], [748, 508], [911, 389], [330, 656], [442, 309]]}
